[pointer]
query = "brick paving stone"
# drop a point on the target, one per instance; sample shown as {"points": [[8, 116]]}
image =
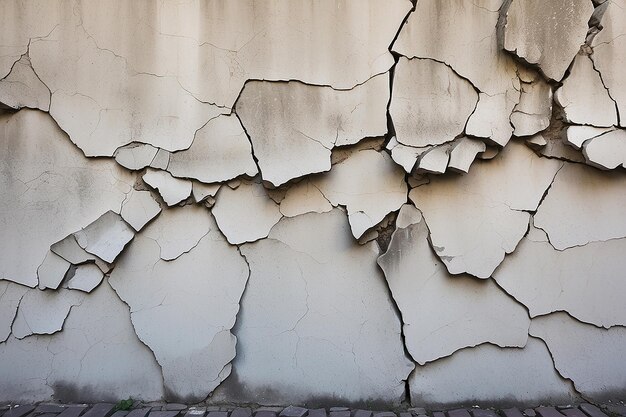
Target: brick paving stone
{"points": [[417, 410], [616, 409], [120, 413], [479, 412], [340, 413], [72, 411], [100, 410], [573, 412], [339, 409], [406, 414], [293, 411], [217, 414], [241, 412], [199, 412], [264, 413], [139, 412], [174, 407], [548, 412], [512, 412], [529, 412], [318, 412], [365, 413], [591, 410], [272, 409], [163, 413], [49, 409], [439, 414], [385, 414], [19, 411], [461, 412], [52, 414]]}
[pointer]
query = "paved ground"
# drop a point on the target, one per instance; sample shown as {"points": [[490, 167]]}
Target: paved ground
{"points": [[181, 410]]}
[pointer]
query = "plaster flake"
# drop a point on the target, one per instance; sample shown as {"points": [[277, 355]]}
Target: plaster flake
{"points": [[434, 160], [548, 34], [487, 207], [304, 197], [583, 96], [234, 42], [201, 191], [21, 88], [139, 208], [99, 119], [52, 271], [49, 190], [369, 184], [288, 143], [10, 296], [172, 190], [322, 293], [533, 112], [246, 213], [184, 309], [44, 312], [69, 249], [430, 104], [440, 313], [97, 332], [136, 156], [178, 230], [490, 375], [607, 151], [464, 153], [405, 156], [536, 141], [491, 119], [609, 54], [407, 216], [105, 237], [86, 278], [594, 202], [591, 357], [220, 151], [584, 281], [161, 160], [576, 136]]}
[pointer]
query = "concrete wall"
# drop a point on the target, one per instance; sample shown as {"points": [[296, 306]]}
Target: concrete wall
{"points": [[321, 202]]}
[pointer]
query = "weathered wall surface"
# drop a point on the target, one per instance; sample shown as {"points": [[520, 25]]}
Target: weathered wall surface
{"points": [[321, 202]]}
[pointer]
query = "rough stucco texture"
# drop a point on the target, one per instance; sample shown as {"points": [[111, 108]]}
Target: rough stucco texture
{"points": [[321, 202]]}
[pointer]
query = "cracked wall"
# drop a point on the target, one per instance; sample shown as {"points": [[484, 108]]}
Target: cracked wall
{"points": [[339, 202]]}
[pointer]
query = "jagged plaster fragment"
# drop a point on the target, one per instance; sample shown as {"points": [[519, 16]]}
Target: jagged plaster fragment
{"points": [[97, 349], [548, 34], [431, 32], [464, 153], [405, 156], [136, 156], [430, 104], [369, 184], [536, 141], [22, 88], [487, 208], [434, 160], [52, 271], [583, 96], [583, 205], [492, 117], [288, 143], [321, 293], [609, 54], [230, 43], [245, 214], [161, 160], [489, 153], [184, 309], [220, 151], [139, 208], [10, 296], [304, 197], [86, 278], [407, 216], [490, 375], [533, 112], [105, 237], [173, 190], [576, 136], [416, 180], [419, 282], [69, 249], [607, 151], [201, 191], [535, 234], [48, 189], [44, 312], [99, 119], [585, 281], [557, 147], [591, 357], [178, 230]]}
